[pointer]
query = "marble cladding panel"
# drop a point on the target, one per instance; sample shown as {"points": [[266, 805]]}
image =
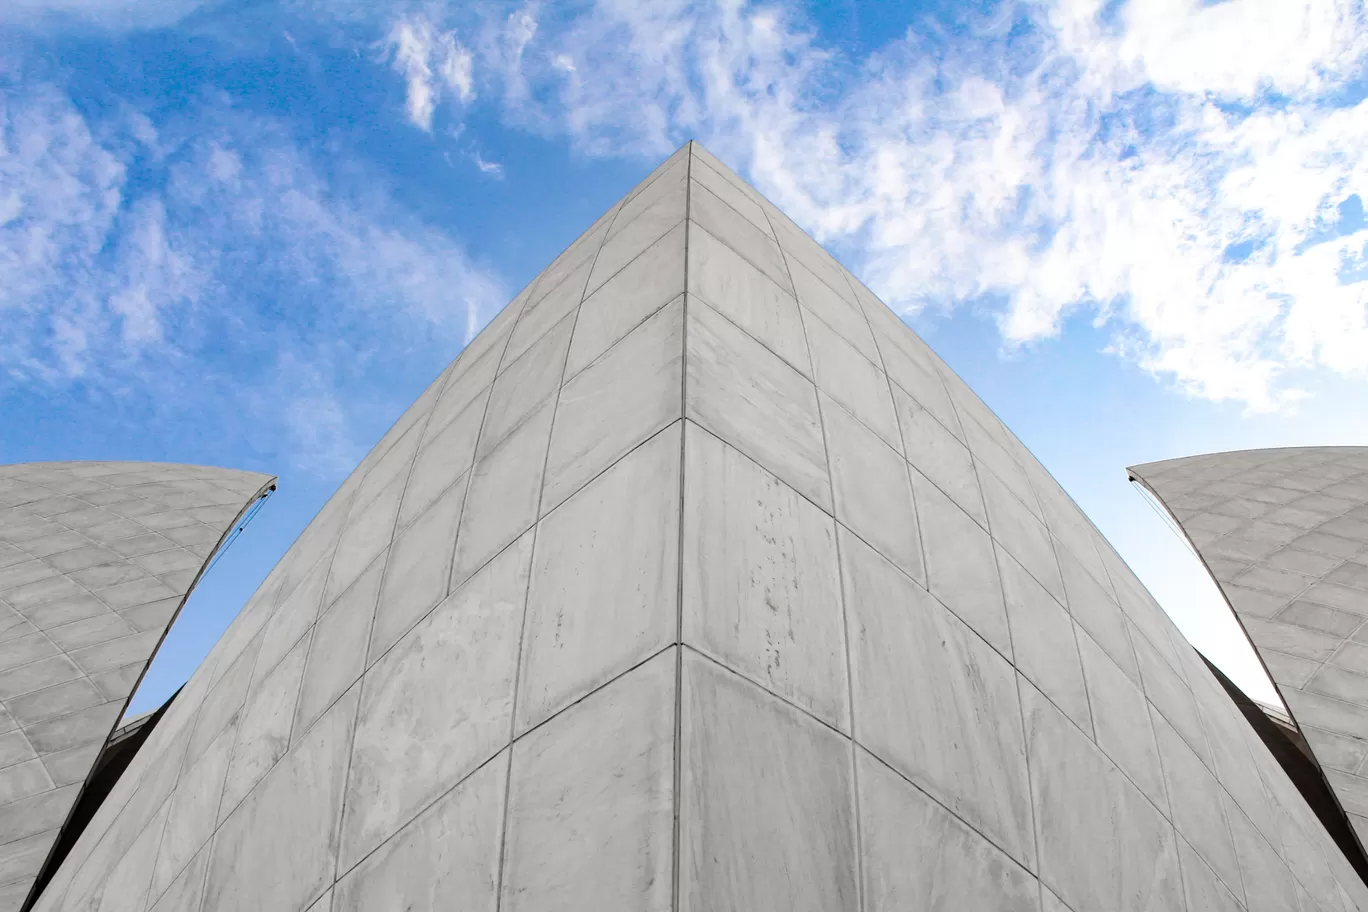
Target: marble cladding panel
{"points": [[698, 581]]}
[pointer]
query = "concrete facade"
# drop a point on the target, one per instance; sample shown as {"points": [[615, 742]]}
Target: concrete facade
{"points": [[1285, 534], [96, 559], [699, 582]]}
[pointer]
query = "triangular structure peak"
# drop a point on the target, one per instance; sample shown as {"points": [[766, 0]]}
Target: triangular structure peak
{"points": [[699, 581]]}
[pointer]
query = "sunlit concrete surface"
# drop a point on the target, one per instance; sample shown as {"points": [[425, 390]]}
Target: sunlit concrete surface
{"points": [[699, 582], [1285, 534], [96, 559]]}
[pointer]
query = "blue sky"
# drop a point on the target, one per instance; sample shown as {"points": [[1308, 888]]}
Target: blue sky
{"points": [[250, 232]]}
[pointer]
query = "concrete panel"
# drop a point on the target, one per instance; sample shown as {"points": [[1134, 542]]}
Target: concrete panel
{"points": [[222, 701], [292, 619], [1265, 594], [851, 379], [264, 727], [1195, 799], [1268, 884], [107, 626], [798, 247], [115, 653], [666, 181], [26, 649], [633, 235], [767, 817], [412, 742], [21, 858], [546, 314], [524, 385], [1335, 751], [1340, 684], [1097, 612], [193, 810], [278, 850], [747, 297], [872, 491], [443, 459], [954, 729], [728, 226], [186, 891], [1290, 670], [1292, 640], [337, 651], [605, 581], [40, 813], [590, 804], [1333, 715], [1044, 646], [418, 573], [1021, 534], [1232, 747], [449, 852], [1311, 616], [24, 779], [1203, 889], [118, 683], [1351, 655], [34, 676], [817, 299], [73, 729], [52, 702], [745, 394], [919, 856], [1169, 694], [68, 766], [475, 376], [502, 501], [737, 196], [1122, 723], [1350, 573], [994, 460], [126, 889], [761, 580], [1086, 810], [961, 568], [937, 454], [612, 406], [645, 285]]}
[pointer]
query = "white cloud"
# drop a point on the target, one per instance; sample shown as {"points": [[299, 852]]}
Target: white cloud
{"points": [[112, 15], [153, 277], [1121, 164], [456, 68], [410, 48], [432, 63], [62, 193], [1235, 49], [231, 278], [493, 169]]}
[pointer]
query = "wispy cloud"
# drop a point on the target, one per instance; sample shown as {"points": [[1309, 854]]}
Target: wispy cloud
{"points": [[433, 63], [111, 15], [493, 169], [1167, 170], [235, 276]]}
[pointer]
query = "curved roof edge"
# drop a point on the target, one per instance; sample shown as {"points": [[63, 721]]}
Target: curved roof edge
{"points": [[1273, 528], [97, 560]]}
